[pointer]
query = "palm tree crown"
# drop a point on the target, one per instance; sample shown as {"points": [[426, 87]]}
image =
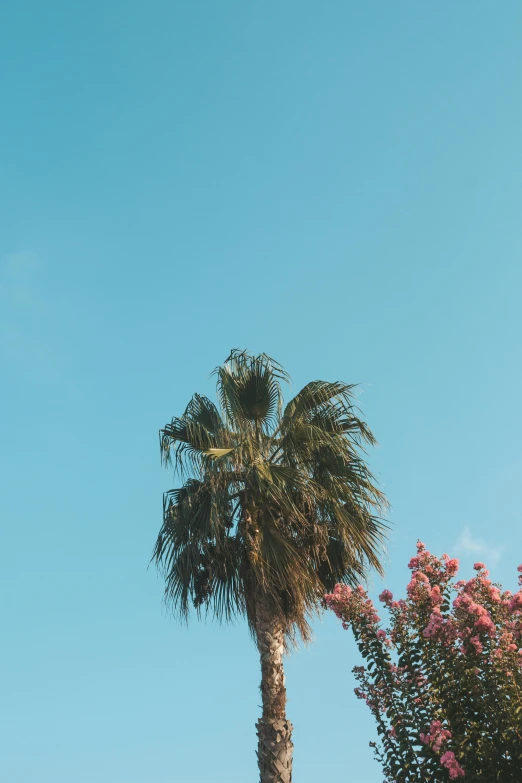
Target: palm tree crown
{"points": [[277, 503]]}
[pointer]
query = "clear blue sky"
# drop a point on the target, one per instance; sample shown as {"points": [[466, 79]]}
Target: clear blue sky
{"points": [[338, 184]]}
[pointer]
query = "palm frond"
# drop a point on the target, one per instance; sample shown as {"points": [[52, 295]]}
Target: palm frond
{"points": [[249, 389], [202, 411], [317, 393], [275, 502]]}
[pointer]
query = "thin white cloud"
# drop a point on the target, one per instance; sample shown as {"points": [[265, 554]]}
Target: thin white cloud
{"points": [[470, 545]]}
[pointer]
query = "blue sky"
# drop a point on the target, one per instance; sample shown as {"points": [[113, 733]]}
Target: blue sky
{"points": [[337, 184]]}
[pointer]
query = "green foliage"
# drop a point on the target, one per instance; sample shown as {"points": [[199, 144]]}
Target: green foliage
{"points": [[276, 501], [444, 681]]}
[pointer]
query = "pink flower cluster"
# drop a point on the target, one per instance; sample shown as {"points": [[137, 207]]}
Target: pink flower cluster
{"points": [[352, 606], [435, 624], [452, 565], [476, 644], [515, 605], [418, 585], [430, 576], [440, 628], [494, 594], [386, 597], [436, 736], [449, 761], [439, 570], [483, 622], [472, 640]]}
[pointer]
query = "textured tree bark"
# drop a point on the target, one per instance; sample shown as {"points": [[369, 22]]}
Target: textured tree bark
{"points": [[274, 731]]}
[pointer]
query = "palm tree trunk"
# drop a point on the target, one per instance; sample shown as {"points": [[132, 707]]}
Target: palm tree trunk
{"points": [[274, 731]]}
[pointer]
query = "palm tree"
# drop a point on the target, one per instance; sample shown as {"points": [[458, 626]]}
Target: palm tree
{"points": [[277, 506]]}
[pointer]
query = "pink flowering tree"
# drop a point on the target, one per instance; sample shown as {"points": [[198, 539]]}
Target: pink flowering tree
{"points": [[444, 679]]}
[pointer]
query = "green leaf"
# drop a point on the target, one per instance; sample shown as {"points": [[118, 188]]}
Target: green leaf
{"points": [[217, 452]]}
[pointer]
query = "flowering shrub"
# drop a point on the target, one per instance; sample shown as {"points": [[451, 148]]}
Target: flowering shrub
{"points": [[444, 681]]}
